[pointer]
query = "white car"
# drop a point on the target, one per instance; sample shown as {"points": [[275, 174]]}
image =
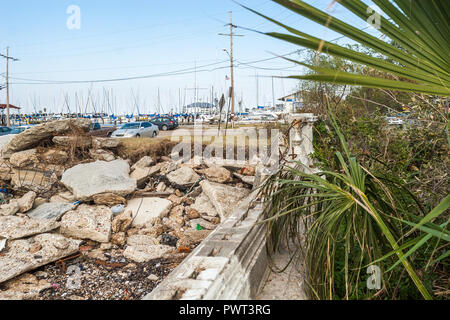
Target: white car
{"points": [[136, 130]]}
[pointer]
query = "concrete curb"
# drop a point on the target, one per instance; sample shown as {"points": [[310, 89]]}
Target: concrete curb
{"points": [[229, 264]]}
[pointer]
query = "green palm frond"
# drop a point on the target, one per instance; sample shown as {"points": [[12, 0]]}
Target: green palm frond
{"points": [[419, 62]]}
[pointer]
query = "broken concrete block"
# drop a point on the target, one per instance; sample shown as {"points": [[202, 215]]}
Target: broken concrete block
{"points": [[143, 174], [50, 211], [146, 209], [145, 253], [87, 180], [10, 209], [72, 141], [122, 222], [88, 222], [17, 258], [143, 163], [39, 181], [217, 174], [184, 176], [24, 287], [26, 158], [32, 137], [109, 199], [141, 240], [106, 143], [13, 227], [246, 179], [204, 206], [102, 155], [27, 201], [224, 198]]}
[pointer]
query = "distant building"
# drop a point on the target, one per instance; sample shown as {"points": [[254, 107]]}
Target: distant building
{"points": [[292, 102], [200, 107]]}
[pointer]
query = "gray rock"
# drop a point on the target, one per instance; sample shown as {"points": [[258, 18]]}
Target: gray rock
{"points": [[18, 259], [25, 287], [204, 206], [50, 211], [39, 181], [88, 222], [87, 180], [106, 143], [146, 209], [145, 253], [10, 209], [224, 198], [33, 136], [102, 155], [246, 179], [145, 162], [184, 176], [13, 227], [27, 201]]}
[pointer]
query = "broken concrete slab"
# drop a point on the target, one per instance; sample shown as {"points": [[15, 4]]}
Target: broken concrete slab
{"points": [[39, 181], [27, 201], [18, 259], [102, 155], [32, 137], [217, 174], [5, 170], [143, 163], [122, 222], [109, 199], [146, 209], [72, 141], [184, 176], [204, 206], [87, 180], [64, 197], [24, 158], [141, 240], [143, 174], [24, 287], [10, 208], [50, 211], [224, 198], [246, 179], [13, 227], [88, 222], [106, 143], [145, 253]]}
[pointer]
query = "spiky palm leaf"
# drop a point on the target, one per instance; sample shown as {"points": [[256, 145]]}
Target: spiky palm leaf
{"points": [[420, 28]]}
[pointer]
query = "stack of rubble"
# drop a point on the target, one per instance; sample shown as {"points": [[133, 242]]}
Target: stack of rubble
{"points": [[100, 205]]}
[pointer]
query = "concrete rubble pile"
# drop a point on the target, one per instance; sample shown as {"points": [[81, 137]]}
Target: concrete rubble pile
{"points": [[99, 207]]}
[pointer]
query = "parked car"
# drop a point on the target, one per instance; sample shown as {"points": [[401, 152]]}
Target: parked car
{"points": [[19, 129], [165, 123], [5, 131], [136, 130], [98, 131]]}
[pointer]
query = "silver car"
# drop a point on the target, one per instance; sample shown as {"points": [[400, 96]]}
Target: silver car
{"points": [[136, 130]]}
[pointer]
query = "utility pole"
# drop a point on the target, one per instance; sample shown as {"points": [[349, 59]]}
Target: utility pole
{"points": [[7, 57], [231, 35]]}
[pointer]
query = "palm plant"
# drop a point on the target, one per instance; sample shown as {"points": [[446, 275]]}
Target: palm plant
{"points": [[353, 207], [420, 30]]}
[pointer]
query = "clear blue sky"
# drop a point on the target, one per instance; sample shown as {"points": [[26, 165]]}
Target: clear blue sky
{"points": [[121, 39]]}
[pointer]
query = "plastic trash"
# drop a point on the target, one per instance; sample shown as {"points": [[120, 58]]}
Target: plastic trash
{"points": [[118, 209], [199, 227]]}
